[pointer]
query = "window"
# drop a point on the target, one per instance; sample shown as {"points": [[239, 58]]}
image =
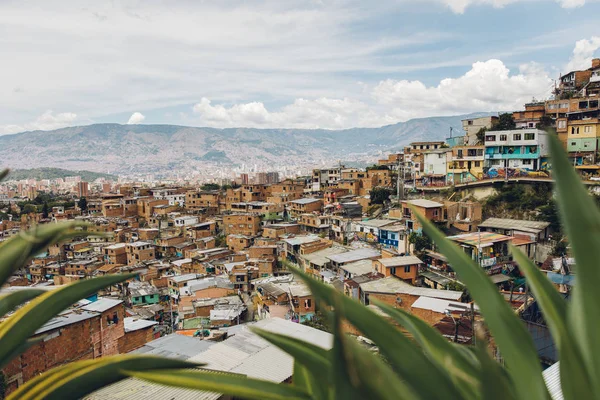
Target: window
{"points": [[435, 213], [526, 162], [490, 138], [307, 303], [587, 129], [407, 269], [470, 122], [503, 137], [573, 143], [530, 136], [562, 124], [393, 270], [516, 136]]}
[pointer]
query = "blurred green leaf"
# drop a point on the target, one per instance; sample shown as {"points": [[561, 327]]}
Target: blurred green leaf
{"points": [[309, 355], [514, 342], [3, 174], [17, 251], [406, 359], [305, 379], [312, 362], [11, 301], [461, 369], [495, 384], [554, 308], [228, 384], [375, 379], [15, 330], [581, 219], [344, 375], [78, 379]]}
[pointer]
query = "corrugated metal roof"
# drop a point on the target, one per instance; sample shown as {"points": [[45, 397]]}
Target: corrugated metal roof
{"points": [[424, 203], [320, 257], [65, 319], [392, 284], [354, 255], [102, 304], [514, 224], [137, 389], [359, 267], [244, 353], [439, 305], [552, 378], [134, 324], [175, 346], [400, 261]]}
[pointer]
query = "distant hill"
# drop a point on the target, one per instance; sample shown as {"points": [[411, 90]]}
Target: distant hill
{"points": [[126, 149], [55, 173]]}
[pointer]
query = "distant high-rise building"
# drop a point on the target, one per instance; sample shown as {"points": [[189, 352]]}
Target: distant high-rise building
{"points": [[261, 178], [245, 179], [82, 189], [106, 187], [272, 177]]}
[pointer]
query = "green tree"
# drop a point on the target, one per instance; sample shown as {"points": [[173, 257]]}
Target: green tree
{"points": [[506, 122], [420, 241], [481, 135], [82, 204], [380, 195], [45, 210], [546, 123], [210, 186], [29, 209]]}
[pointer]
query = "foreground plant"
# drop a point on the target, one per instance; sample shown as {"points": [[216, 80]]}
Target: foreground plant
{"points": [[436, 368]]}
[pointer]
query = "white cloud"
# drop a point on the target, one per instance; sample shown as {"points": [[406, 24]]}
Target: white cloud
{"points": [[45, 122], [460, 6], [136, 118], [583, 53], [487, 86], [323, 112]]}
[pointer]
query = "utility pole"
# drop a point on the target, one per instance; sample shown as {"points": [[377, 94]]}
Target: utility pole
{"points": [[400, 183]]}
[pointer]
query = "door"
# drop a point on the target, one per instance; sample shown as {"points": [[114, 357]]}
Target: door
{"points": [[535, 165]]}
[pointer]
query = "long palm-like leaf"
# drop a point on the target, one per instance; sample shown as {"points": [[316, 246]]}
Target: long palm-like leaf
{"points": [[311, 363], [3, 174], [512, 338], [405, 358], [494, 385], [78, 379], [581, 219], [554, 308], [11, 301], [23, 323], [314, 386], [229, 384], [16, 252]]}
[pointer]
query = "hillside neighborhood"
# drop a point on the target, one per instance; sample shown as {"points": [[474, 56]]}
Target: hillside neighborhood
{"points": [[214, 259]]}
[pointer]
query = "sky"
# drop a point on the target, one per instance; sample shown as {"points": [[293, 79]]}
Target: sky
{"points": [[282, 64]]}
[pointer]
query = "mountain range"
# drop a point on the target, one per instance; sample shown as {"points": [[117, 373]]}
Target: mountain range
{"points": [[164, 149]]}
